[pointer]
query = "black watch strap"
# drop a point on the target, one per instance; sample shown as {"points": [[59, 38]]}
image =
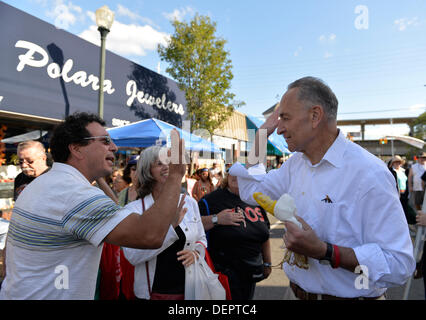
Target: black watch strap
{"points": [[329, 253]]}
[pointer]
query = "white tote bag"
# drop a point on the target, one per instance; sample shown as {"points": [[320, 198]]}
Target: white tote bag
{"points": [[201, 283]]}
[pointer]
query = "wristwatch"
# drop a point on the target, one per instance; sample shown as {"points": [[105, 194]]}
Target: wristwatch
{"points": [[214, 219], [327, 259], [267, 265]]}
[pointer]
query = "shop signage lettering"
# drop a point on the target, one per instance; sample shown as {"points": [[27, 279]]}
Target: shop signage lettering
{"points": [[54, 70], [133, 93], [82, 79]]}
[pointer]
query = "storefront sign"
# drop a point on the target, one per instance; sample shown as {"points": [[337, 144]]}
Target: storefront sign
{"points": [[47, 72]]}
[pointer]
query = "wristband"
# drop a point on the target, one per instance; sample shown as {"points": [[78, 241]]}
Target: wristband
{"points": [[336, 263], [267, 265]]}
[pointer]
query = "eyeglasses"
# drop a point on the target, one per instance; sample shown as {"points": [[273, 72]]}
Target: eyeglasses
{"points": [[105, 139], [22, 161]]}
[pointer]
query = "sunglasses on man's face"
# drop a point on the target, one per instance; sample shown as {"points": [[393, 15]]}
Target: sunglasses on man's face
{"points": [[29, 162], [105, 139]]}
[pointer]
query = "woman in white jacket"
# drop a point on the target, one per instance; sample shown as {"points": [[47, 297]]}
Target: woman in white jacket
{"points": [[160, 273]]}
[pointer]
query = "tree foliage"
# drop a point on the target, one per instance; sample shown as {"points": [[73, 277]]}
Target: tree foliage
{"points": [[419, 127], [200, 64]]}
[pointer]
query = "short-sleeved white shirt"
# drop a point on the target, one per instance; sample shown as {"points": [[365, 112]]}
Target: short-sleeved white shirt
{"points": [[55, 237]]}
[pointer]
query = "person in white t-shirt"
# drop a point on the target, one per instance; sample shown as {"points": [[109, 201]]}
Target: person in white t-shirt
{"points": [[346, 201], [60, 220]]}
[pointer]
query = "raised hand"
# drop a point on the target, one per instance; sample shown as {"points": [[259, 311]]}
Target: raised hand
{"points": [[272, 122]]}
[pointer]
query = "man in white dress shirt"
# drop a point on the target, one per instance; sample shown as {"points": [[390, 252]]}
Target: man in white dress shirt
{"points": [[354, 234]]}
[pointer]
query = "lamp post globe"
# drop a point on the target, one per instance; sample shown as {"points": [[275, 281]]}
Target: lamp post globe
{"points": [[104, 20]]}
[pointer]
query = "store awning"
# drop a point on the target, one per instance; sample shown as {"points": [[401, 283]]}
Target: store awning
{"points": [[152, 132], [276, 143]]}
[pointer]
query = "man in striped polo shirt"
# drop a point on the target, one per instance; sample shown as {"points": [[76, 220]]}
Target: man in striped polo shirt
{"points": [[60, 220]]}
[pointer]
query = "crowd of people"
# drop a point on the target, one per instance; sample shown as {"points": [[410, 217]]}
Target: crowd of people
{"points": [[82, 230]]}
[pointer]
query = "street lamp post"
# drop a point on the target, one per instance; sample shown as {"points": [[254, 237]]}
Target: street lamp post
{"points": [[104, 20]]}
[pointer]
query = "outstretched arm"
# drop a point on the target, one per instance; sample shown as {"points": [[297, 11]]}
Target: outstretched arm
{"points": [[148, 231]]}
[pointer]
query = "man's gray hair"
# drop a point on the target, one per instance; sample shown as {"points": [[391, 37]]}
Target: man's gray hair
{"points": [[143, 168], [31, 144], [316, 92]]}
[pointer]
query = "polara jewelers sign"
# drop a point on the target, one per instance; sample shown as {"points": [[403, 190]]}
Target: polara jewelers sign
{"points": [[81, 78]]}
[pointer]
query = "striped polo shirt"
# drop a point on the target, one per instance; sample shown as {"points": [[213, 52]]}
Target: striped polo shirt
{"points": [[55, 237]]}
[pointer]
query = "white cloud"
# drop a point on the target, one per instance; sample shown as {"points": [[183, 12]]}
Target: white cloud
{"points": [[123, 11], [126, 12], [91, 16], [179, 14], [404, 23], [128, 39]]}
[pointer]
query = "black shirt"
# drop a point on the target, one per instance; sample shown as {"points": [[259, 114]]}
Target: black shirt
{"points": [[232, 242], [21, 181], [169, 272]]}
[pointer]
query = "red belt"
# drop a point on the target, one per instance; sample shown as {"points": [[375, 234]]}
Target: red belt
{"points": [[303, 295]]}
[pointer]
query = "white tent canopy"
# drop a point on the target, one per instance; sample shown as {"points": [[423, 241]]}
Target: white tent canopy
{"points": [[32, 135]]}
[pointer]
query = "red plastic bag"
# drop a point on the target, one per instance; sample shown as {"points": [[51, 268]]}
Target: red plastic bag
{"points": [[110, 272], [127, 277]]}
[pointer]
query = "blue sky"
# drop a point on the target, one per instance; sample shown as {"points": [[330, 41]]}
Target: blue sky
{"points": [[371, 53]]}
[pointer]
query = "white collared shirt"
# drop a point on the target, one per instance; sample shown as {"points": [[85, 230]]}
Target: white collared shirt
{"points": [[365, 214], [192, 227]]}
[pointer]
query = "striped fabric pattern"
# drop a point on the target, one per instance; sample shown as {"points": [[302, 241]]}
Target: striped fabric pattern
{"points": [[31, 231]]}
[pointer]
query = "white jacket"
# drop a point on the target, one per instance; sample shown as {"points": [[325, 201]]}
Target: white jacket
{"points": [[191, 225]]}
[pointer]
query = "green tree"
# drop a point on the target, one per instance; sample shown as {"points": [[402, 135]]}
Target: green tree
{"points": [[200, 64], [419, 127], [419, 132]]}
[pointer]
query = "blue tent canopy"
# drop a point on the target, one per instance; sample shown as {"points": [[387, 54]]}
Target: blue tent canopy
{"points": [[276, 143], [152, 132]]}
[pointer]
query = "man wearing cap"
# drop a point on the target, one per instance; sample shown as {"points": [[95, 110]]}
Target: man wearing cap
{"points": [[415, 186], [395, 166]]}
